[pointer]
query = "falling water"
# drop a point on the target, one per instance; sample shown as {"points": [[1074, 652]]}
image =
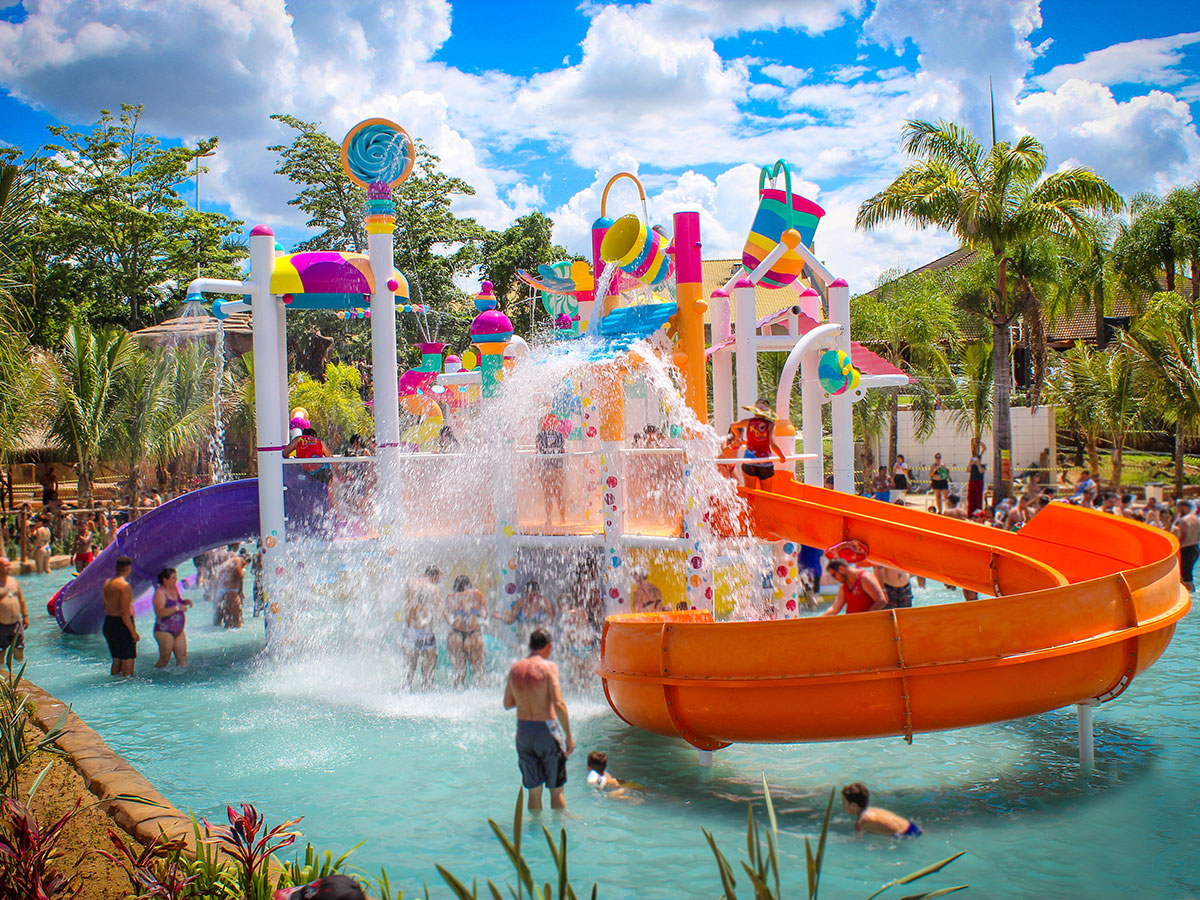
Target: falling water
{"points": [[216, 442]]}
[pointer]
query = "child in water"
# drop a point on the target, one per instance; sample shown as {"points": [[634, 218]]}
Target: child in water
{"points": [[598, 775], [856, 800]]}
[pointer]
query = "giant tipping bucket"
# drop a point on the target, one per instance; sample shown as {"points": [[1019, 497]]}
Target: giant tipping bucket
{"points": [[779, 210], [637, 249]]}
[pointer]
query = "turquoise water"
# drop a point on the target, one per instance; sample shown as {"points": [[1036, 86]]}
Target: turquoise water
{"points": [[418, 776]]}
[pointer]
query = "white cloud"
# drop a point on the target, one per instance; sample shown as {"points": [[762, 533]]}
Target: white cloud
{"points": [[1144, 143], [1146, 61]]}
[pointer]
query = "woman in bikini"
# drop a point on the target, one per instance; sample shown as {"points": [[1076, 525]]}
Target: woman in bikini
{"points": [[169, 620], [529, 611], [466, 612]]}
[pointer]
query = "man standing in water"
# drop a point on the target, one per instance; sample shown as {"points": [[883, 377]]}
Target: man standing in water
{"points": [[14, 616], [120, 630], [542, 747], [1187, 529]]}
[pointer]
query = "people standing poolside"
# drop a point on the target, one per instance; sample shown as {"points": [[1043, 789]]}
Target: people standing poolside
{"points": [[83, 552], [14, 616], [975, 484], [883, 486], [939, 482], [897, 587], [41, 547], [543, 744], [900, 474], [1187, 529], [859, 591], [120, 629], [550, 449], [169, 606], [466, 611], [421, 601]]}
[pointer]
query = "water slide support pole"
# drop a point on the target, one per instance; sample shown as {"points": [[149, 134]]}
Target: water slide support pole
{"points": [[270, 400], [704, 758], [385, 373], [722, 363], [1087, 737], [744, 333], [843, 404], [689, 330]]}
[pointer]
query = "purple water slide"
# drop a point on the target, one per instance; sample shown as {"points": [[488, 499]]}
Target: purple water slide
{"points": [[175, 532]]}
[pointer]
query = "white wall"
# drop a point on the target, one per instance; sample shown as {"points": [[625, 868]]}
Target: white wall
{"points": [[1032, 432]]}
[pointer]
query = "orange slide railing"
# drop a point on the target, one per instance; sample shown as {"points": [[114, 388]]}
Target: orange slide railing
{"points": [[1083, 602]]}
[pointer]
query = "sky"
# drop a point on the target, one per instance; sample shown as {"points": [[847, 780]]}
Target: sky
{"points": [[536, 103]]}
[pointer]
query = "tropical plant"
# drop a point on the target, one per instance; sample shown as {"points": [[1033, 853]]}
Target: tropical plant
{"points": [[30, 856], [24, 381], [762, 869], [88, 379], [969, 396], [1185, 203], [993, 200], [560, 889], [1149, 244], [335, 406], [1165, 344], [16, 752], [155, 872], [909, 321], [17, 203], [189, 404], [1086, 277], [250, 850]]}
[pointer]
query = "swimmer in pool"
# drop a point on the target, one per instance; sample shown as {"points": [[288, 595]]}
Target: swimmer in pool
{"points": [[421, 602], [856, 800]]}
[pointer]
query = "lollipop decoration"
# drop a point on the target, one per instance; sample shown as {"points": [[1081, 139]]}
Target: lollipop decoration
{"points": [[837, 373], [378, 151]]}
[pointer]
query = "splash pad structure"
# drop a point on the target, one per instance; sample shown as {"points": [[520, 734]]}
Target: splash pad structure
{"points": [[629, 352]]}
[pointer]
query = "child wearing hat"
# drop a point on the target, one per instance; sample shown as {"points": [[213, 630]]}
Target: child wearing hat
{"points": [[760, 442]]}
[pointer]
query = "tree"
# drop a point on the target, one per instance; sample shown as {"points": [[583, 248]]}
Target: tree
{"points": [[1165, 344], [908, 321], [970, 391], [993, 200], [112, 227], [1099, 391], [1149, 244], [1185, 203], [89, 390], [335, 407], [1087, 277], [525, 244]]}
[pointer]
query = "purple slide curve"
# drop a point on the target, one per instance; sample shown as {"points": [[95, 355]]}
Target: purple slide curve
{"points": [[175, 532]]}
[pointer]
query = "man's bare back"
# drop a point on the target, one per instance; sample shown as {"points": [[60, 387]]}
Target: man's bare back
{"points": [[892, 577], [117, 596], [531, 684]]}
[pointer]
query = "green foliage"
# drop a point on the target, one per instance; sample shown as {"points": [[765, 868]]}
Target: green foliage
{"points": [[525, 244], [1152, 243], [251, 850], [970, 390], [560, 889], [15, 750], [113, 239], [335, 406], [762, 865]]}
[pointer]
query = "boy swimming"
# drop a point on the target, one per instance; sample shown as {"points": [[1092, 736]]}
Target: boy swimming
{"points": [[856, 800], [598, 775]]}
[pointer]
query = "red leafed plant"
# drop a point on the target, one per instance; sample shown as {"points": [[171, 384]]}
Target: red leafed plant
{"points": [[28, 853], [155, 873], [241, 840]]}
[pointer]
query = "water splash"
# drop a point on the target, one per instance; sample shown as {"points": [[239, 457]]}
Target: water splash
{"points": [[216, 442]]}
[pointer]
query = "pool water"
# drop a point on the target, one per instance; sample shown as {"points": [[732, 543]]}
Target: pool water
{"points": [[418, 775]]}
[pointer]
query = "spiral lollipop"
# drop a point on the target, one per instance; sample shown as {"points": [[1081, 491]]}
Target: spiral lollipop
{"points": [[378, 151]]}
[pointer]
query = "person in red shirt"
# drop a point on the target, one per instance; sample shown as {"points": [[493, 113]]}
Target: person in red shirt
{"points": [[307, 445], [859, 591], [760, 443]]}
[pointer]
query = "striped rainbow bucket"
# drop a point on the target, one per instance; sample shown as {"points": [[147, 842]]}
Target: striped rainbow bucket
{"points": [[779, 210], [637, 249]]}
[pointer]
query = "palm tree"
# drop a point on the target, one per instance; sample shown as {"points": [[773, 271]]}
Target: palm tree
{"points": [[89, 382], [908, 321], [1165, 344], [1149, 244], [335, 405], [1087, 276], [970, 394], [993, 200], [189, 405], [1185, 203]]}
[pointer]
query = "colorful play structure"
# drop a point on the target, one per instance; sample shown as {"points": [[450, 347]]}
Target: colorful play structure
{"points": [[1078, 603]]}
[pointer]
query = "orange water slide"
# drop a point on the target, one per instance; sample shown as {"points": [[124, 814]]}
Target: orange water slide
{"points": [[1083, 602]]}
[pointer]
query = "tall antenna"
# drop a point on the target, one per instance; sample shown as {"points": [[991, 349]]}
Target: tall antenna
{"points": [[992, 95]]}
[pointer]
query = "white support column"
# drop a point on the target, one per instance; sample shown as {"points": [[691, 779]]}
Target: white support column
{"points": [[805, 356], [843, 404], [270, 398], [1087, 742], [745, 335], [704, 758], [722, 363], [385, 375]]}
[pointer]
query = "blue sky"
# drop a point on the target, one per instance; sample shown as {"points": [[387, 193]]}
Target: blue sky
{"points": [[538, 103]]}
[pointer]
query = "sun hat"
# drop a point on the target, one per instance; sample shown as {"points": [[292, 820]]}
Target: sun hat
{"points": [[762, 410], [331, 887]]}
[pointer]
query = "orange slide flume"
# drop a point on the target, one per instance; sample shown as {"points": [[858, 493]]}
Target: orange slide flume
{"points": [[1081, 603]]}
